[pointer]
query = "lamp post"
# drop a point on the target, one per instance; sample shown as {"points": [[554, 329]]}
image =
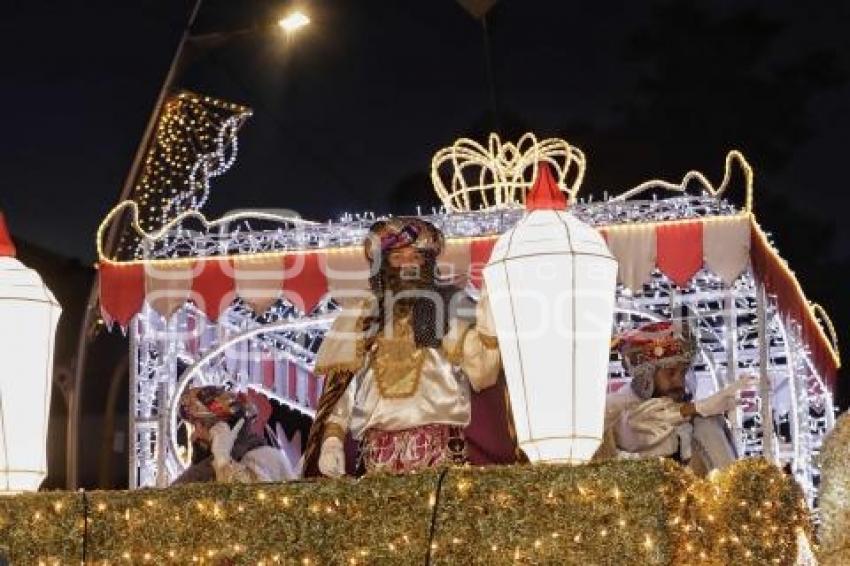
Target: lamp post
{"points": [[290, 24], [28, 317], [552, 283]]}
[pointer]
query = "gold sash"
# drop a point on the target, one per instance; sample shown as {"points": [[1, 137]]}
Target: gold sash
{"points": [[396, 361]]}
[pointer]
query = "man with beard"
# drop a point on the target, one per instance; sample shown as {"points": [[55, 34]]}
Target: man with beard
{"points": [[654, 416], [226, 445], [404, 368]]}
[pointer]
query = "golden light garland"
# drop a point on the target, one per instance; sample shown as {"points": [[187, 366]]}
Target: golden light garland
{"points": [[627, 512], [41, 528], [155, 235], [189, 128], [732, 157], [823, 324], [812, 311], [162, 232], [468, 176], [820, 313]]}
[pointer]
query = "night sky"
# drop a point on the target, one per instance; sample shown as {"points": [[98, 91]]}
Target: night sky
{"points": [[349, 113]]}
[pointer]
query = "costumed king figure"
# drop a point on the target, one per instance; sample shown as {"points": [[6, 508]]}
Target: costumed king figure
{"points": [[228, 441], [654, 417], [409, 366]]}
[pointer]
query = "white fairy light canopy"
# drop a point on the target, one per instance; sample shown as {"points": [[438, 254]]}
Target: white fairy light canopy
{"points": [[691, 255]]}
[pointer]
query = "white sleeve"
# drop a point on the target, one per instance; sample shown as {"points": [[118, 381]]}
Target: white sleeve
{"points": [[648, 425], [481, 360], [264, 464]]}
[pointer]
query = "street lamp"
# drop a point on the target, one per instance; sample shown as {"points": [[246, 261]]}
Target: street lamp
{"points": [[28, 317], [294, 21]]}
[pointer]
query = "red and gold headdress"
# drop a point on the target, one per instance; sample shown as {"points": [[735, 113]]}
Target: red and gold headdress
{"points": [[211, 404], [652, 346], [402, 231]]}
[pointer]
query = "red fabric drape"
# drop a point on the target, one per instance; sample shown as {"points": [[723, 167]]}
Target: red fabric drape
{"points": [[489, 436], [679, 250], [479, 254], [213, 288], [292, 381], [313, 390], [267, 363], [122, 291], [780, 282], [193, 337], [304, 281]]}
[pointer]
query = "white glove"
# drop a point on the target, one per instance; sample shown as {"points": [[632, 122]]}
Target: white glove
{"points": [[222, 438], [724, 400], [484, 321], [650, 427], [332, 458], [659, 411]]}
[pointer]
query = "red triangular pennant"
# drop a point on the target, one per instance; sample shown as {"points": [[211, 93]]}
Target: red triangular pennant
{"points": [[545, 193]]}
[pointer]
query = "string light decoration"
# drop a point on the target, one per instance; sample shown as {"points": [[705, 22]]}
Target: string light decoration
{"points": [[826, 324], [734, 156], [195, 141], [42, 528], [728, 348], [632, 512], [235, 234], [468, 176]]}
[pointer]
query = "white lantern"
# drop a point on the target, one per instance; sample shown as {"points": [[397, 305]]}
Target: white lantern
{"points": [[28, 317], [552, 282]]}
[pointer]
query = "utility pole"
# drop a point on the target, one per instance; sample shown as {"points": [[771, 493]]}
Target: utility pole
{"points": [[72, 443]]}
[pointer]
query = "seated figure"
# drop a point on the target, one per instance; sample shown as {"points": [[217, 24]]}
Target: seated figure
{"points": [[654, 416], [227, 445]]}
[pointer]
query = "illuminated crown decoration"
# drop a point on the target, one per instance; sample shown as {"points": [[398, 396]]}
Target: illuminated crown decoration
{"points": [[468, 176]]}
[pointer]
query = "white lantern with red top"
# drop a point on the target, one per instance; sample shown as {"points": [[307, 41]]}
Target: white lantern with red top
{"points": [[28, 317], [552, 283]]}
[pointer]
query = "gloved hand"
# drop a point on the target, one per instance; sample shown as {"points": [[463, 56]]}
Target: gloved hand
{"points": [[724, 400], [332, 458], [484, 321], [650, 428], [222, 438], [659, 411]]}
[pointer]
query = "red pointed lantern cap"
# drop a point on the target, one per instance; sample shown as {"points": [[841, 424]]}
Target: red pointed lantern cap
{"points": [[545, 193], [7, 247]]}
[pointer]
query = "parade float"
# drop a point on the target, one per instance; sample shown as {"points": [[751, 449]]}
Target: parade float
{"points": [[246, 300]]}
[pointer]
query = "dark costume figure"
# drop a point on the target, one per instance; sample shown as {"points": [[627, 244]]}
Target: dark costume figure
{"points": [[228, 447], [413, 373]]}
